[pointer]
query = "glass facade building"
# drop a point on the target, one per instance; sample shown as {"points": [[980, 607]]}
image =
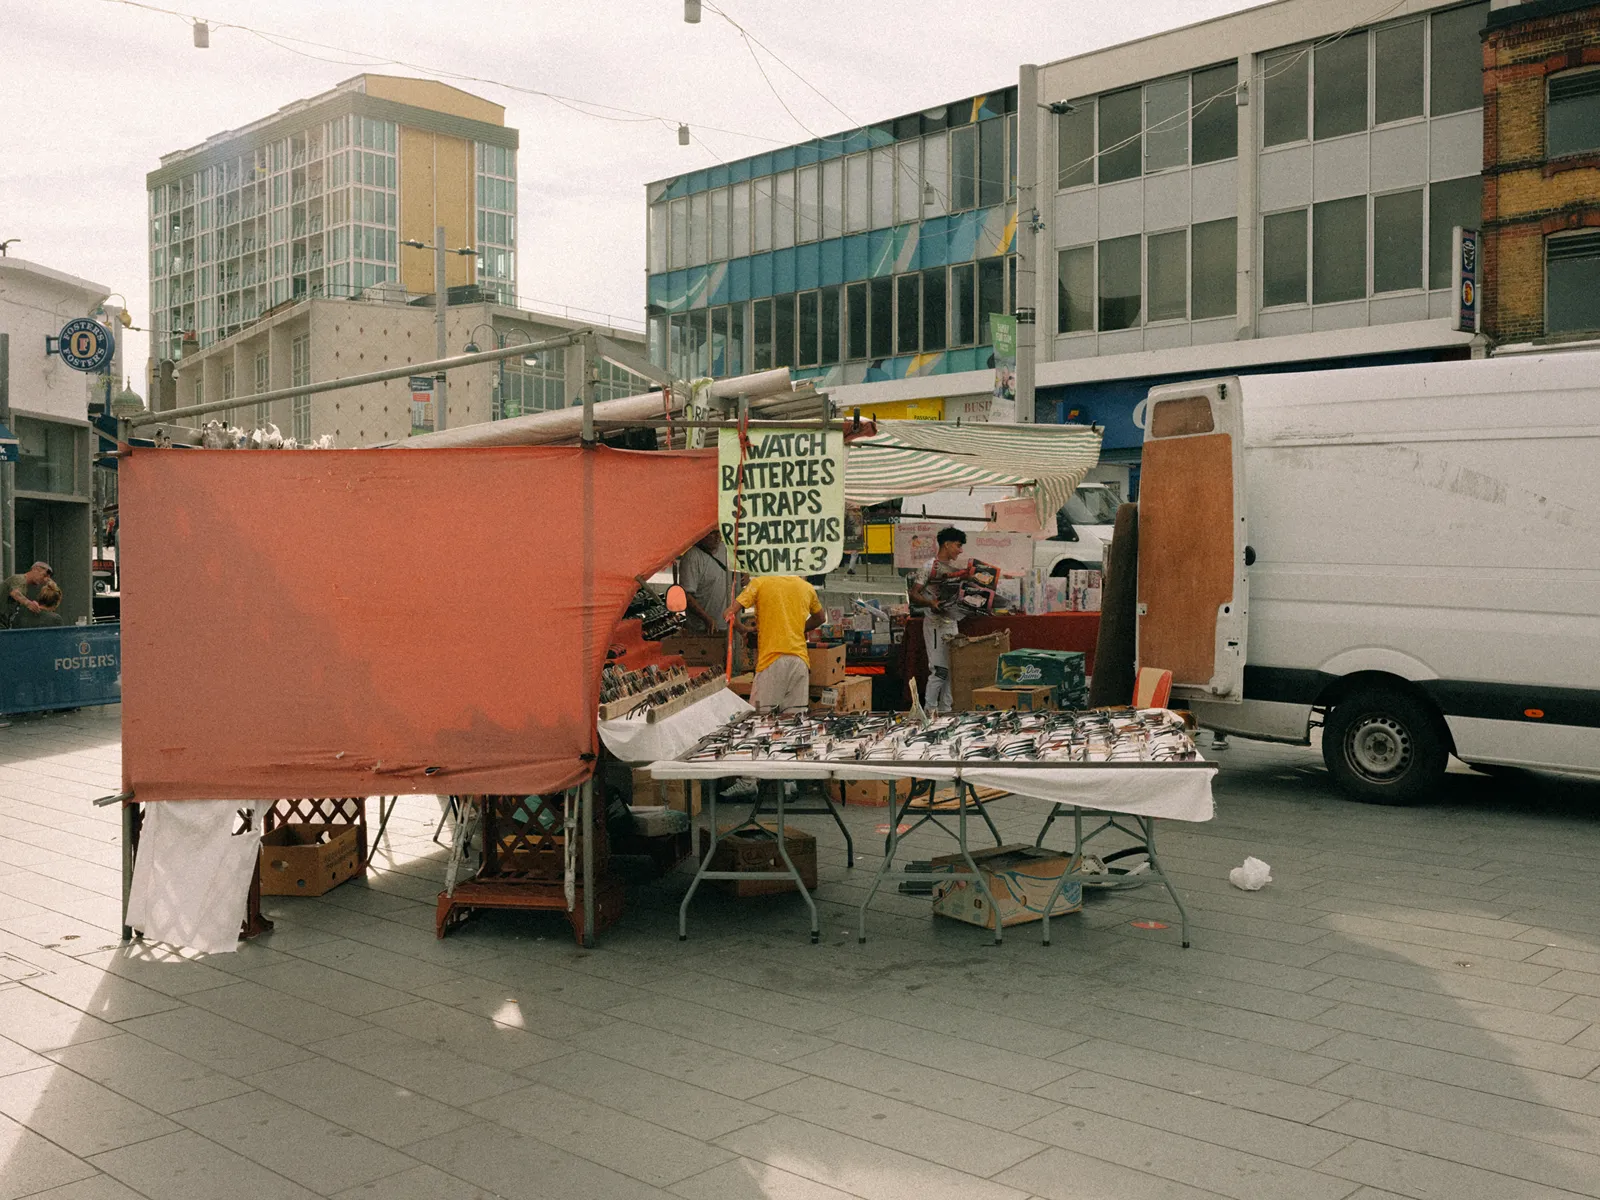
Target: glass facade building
{"points": [[874, 254]]}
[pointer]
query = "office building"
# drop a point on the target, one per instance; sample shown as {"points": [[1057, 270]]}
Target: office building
{"points": [[318, 199]]}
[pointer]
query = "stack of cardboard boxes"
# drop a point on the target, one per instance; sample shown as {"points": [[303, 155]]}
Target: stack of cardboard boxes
{"points": [[1032, 680]]}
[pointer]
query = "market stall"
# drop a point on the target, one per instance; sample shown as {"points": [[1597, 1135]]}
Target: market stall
{"points": [[1139, 763]]}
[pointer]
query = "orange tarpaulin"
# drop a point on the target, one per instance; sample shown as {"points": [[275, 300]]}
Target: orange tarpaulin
{"points": [[344, 623]]}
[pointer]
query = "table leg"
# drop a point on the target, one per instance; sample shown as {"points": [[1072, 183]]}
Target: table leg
{"points": [[799, 883], [1149, 826], [1074, 864], [713, 786], [127, 866], [890, 847], [589, 882], [964, 790], [849, 842], [384, 813]]}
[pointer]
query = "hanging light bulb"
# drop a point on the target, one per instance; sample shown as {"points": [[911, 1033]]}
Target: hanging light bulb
{"points": [[683, 135], [691, 11], [202, 35]]}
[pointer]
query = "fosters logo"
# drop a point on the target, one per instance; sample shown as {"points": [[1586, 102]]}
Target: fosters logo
{"points": [[85, 661]]}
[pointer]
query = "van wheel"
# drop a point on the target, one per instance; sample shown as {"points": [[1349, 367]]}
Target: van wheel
{"points": [[1384, 747]]}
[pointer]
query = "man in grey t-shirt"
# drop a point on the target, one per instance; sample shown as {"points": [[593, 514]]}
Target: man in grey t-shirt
{"points": [[703, 572]]}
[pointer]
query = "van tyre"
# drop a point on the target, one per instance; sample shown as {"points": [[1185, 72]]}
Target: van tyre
{"points": [[1384, 747]]}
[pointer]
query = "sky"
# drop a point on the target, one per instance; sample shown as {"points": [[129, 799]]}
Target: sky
{"points": [[94, 92]]}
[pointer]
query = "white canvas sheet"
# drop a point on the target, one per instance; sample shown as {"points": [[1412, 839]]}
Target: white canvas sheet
{"points": [[191, 878], [641, 741]]}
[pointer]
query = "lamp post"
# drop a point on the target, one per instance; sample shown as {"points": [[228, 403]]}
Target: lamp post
{"points": [[528, 360], [441, 301]]}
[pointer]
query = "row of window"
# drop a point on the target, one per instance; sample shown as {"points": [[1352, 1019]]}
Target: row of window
{"points": [[943, 308], [1427, 66], [972, 166], [1320, 253]]}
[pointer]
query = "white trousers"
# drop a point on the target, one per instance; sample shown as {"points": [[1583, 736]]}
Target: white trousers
{"points": [[936, 634], [785, 685]]}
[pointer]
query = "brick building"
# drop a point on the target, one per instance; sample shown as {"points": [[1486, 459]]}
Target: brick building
{"points": [[1541, 170]]}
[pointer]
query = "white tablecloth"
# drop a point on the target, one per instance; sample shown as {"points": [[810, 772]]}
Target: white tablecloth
{"points": [[1177, 793], [640, 741]]}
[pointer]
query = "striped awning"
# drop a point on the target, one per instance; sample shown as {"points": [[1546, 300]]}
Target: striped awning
{"points": [[909, 458]]}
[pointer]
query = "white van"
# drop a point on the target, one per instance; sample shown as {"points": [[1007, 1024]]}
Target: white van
{"points": [[1409, 554]]}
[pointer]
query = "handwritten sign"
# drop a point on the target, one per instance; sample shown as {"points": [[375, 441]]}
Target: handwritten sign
{"points": [[781, 500]]}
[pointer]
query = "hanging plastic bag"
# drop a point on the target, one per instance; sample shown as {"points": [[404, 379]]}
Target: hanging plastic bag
{"points": [[1252, 877]]}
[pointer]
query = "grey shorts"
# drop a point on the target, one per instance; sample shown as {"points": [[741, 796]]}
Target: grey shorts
{"points": [[786, 684]]}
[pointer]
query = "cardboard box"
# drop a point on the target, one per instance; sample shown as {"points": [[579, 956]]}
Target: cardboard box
{"points": [[869, 793], [1059, 669], [296, 861], [1014, 516], [680, 794], [827, 665], [750, 850], [853, 693], [973, 662], [1019, 881], [1031, 699], [698, 650], [740, 685]]}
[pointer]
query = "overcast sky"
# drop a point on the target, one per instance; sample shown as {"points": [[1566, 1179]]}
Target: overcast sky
{"points": [[93, 92]]}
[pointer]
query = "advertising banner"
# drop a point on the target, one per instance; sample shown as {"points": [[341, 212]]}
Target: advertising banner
{"points": [[780, 500], [1003, 335]]}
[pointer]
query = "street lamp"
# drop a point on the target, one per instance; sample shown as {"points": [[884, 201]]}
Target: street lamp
{"points": [[441, 301], [528, 360]]}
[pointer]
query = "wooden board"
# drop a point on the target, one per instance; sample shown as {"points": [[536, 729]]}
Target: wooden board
{"points": [[1185, 553]]}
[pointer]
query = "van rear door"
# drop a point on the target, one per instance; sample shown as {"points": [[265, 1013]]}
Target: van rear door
{"points": [[1193, 591]]}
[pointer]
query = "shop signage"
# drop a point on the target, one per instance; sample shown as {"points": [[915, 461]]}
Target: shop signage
{"points": [[1464, 281], [422, 404], [1003, 336], [84, 345], [781, 499]]}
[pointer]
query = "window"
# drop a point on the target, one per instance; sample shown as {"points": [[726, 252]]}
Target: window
{"points": [[762, 215], [47, 458], [719, 224], [735, 364], [1166, 124], [719, 342], [300, 375], [882, 332], [783, 209], [1121, 149], [698, 223], [658, 238], [1167, 268], [908, 181], [1397, 72], [964, 168], [991, 293], [699, 344], [991, 161], [1284, 80], [1572, 283], [1455, 66], [1339, 250], [1451, 202], [1213, 266], [828, 352], [739, 223], [806, 352], [855, 303], [1215, 118], [1075, 290], [679, 242], [963, 305], [1120, 298], [1075, 145], [1283, 258], [1339, 101], [1572, 113], [908, 314], [845, 195], [882, 187], [1397, 241], [808, 223], [934, 336], [783, 331], [761, 332], [935, 175]]}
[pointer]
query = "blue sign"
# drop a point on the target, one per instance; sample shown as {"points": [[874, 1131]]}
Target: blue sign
{"points": [[85, 344], [9, 450], [61, 666]]}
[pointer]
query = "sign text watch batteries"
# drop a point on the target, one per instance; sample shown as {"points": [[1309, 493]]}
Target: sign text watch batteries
{"points": [[781, 500], [85, 344]]}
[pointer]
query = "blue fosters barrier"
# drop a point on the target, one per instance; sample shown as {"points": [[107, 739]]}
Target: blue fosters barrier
{"points": [[62, 666]]}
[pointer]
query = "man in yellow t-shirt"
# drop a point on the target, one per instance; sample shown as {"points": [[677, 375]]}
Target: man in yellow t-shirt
{"points": [[786, 609]]}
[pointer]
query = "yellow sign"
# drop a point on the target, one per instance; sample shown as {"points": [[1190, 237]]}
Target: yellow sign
{"points": [[899, 410]]}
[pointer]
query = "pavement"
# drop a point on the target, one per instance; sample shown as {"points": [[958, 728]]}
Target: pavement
{"points": [[1410, 1008]]}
